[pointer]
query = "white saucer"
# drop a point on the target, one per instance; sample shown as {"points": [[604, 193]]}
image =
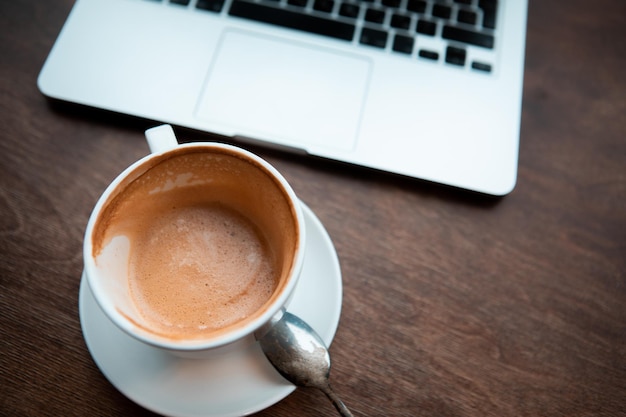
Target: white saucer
{"points": [[236, 383]]}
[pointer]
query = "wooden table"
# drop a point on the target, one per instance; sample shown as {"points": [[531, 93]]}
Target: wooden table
{"points": [[454, 304]]}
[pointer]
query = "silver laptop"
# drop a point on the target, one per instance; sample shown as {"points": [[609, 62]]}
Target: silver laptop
{"points": [[422, 88]]}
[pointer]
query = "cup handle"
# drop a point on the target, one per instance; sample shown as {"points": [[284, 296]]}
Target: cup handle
{"points": [[161, 138]]}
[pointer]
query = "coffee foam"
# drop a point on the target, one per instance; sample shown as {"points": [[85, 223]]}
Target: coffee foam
{"points": [[199, 269], [211, 241]]}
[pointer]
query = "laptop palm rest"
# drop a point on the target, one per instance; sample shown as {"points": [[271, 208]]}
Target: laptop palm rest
{"points": [[281, 90]]}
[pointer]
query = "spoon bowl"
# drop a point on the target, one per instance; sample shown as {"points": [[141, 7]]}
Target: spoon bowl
{"points": [[299, 354]]}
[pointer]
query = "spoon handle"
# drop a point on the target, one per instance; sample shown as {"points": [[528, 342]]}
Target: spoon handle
{"points": [[334, 398]]}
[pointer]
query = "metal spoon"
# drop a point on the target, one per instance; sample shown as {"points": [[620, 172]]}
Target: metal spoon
{"points": [[299, 355]]}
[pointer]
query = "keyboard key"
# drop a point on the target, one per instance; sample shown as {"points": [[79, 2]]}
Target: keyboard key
{"points": [[400, 21], [467, 36], [297, 3], [181, 2], [292, 20], [426, 27], [466, 16], [375, 15], [324, 5], [403, 44], [391, 3], [373, 37], [349, 10], [490, 10], [455, 56], [488, 4], [210, 5], [489, 19], [444, 12], [417, 6], [425, 53], [481, 66]]}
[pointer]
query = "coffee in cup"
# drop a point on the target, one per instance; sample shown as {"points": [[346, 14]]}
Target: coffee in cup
{"points": [[195, 247]]}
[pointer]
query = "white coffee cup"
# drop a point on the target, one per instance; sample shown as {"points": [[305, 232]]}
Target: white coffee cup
{"points": [[189, 177]]}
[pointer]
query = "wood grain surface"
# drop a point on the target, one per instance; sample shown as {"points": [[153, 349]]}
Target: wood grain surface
{"points": [[455, 304]]}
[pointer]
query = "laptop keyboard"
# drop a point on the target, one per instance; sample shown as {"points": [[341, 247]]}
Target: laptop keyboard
{"points": [[429, 30]]}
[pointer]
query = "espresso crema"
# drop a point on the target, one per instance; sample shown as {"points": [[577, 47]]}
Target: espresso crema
{"points": [[205, 254], [200, 268]]}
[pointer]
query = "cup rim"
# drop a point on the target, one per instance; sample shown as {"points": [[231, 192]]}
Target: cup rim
{"points": [[222, 339]]}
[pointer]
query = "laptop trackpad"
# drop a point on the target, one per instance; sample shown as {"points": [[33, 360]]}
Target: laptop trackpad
{"points": [[285, 92]]}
